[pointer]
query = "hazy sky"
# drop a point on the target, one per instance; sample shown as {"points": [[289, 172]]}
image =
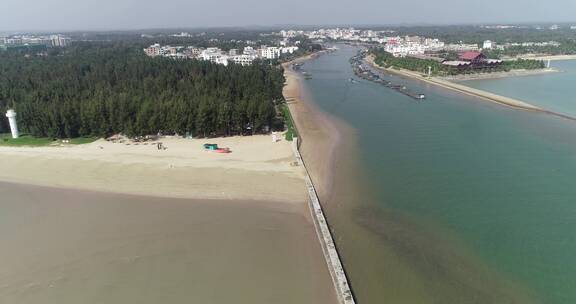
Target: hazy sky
{"points": [[135, 14]]}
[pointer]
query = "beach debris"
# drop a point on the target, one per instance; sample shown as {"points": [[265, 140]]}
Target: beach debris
{"points": [[215, 148], [210, 147]]}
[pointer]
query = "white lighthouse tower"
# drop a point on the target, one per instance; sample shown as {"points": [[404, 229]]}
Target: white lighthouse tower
{"points": [[11, 114]]}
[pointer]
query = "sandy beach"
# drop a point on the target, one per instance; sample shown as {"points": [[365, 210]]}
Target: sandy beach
{"points": [[257, 168], [320, 135], [128, 223]]}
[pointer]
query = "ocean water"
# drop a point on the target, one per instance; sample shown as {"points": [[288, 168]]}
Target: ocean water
{"points": [[458, 200], [554, 91]]}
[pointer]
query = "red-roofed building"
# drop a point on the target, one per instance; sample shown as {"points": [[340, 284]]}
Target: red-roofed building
{"points": [[473, 57], [469, 61]]}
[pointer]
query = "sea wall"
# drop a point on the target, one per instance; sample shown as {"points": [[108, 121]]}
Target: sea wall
{"points": [[329, 249], [321, 141]]}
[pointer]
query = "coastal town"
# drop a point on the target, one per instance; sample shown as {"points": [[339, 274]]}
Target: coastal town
{"points": [[455, 56], [401, 46], [34, 41], [287, 164], [218, 56], [282, 43]]}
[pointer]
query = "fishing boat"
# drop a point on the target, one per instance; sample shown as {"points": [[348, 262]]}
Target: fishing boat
{"points": [[367, 73]]}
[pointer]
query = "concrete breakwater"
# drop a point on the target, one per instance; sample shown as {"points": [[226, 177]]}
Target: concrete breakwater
{"points": [[458, 87], [341, 285]]}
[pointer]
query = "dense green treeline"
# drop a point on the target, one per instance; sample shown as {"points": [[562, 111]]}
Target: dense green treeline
{"points": [[98, 89], [565, 48], [386, 59], [524, 64], [477, 34]]}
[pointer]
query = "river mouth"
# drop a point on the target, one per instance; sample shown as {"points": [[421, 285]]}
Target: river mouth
{"points": [[451, 200]]}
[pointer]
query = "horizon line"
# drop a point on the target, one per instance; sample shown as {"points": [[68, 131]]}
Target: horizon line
{"points": [[285, 26]]}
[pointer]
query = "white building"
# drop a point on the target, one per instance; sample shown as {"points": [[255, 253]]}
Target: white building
{"points": [[192, 52], [250, 51], [212, 54], [488, 45], [14, 41], [461, 47], [433, 44], [60, 41], [270, 52], [216, 55], [243, 59], [402, 50], [288, 50], [153, 50], [223, 60]]}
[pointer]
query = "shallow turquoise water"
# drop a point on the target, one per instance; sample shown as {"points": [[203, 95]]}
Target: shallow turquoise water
{"points": [[554, 91], [497, 180]]}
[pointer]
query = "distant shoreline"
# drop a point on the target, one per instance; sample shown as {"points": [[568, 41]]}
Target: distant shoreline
{"points": [[502, 100], [495, 98], [496, 75], [547, 57]]}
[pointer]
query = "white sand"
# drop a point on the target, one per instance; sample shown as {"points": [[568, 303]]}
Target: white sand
{"points": [[257, 168]]}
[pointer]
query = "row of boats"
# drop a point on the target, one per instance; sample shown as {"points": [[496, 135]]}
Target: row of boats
{"points": [[365, 72]]}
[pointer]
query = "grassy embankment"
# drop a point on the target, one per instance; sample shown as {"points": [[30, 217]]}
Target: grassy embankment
{"points": [[291, 129], [31, 141]]}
